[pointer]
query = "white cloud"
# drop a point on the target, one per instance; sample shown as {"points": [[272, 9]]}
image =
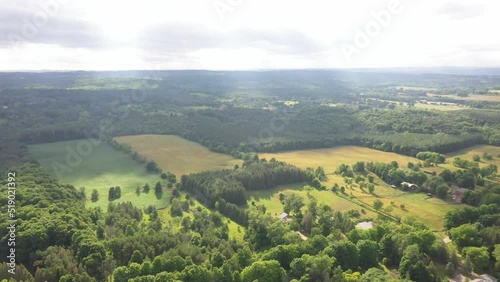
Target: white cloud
{"points": [[190, 34]]}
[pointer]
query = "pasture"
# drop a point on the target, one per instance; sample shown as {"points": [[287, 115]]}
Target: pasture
{"points": [[471, 97], [331, 158], [175, 222], [178, 155], [440, 107], [102, 168], [468, 154], [270, 199]]}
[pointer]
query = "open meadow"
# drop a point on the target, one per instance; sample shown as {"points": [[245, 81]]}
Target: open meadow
{"points": [[178, 155], [471, 97], [270, 199], [331, 158], [102, 168]]}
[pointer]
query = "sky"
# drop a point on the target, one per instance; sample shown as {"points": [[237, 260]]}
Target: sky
{"points": [[247, 34]]}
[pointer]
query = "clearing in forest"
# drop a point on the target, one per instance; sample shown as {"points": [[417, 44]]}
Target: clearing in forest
{"points": [[102, 168], [178, 155]]}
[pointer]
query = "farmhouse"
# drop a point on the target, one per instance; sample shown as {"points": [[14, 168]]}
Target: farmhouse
{"points": [[457, 195], [410, 185], [283, 216]]}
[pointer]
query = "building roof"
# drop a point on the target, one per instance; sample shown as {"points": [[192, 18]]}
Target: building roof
{"points": [[461, 190], [283, 215], [408, 183]]}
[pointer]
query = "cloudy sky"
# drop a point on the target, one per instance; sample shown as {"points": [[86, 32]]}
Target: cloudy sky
{"points": [[246, 34]]}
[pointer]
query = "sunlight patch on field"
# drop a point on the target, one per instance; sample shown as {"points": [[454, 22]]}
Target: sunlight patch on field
{"points": [[102, 168], [178, 155]]}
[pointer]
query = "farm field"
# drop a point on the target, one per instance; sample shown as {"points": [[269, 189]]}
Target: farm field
{"points": [[331, 158], [270, 199], [439, 107], [178, 155], [429, 210], [468, 154], [102, 168], [472, 97]]}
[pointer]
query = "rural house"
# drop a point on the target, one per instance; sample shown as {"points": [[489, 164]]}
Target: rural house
{"points": [[457, 195], [283, 216]]}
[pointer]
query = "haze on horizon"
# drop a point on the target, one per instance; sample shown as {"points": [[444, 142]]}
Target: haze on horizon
{"points": [[246, 34]]}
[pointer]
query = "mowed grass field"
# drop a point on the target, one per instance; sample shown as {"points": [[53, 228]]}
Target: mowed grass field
{"points": [[178, 155], [429, 210], [102, 168]]}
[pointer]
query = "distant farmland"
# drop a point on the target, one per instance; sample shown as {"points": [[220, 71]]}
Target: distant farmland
{"points": [[102, 168], [178, 155]]}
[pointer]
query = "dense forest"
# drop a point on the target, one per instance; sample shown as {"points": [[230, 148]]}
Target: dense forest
{"points": [[242, 114]]}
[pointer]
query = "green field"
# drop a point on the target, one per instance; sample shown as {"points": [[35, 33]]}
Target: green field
{"points": [[270, 199], [178, 155], [102, 168]]}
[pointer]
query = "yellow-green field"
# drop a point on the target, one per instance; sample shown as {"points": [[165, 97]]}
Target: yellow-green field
{"points": [[468, 153], [102, 168], [270, 199], [471, 97], [439, 107], [178, 155], [331, 158]]}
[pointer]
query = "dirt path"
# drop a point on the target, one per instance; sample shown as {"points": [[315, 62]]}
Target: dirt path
{"points": [[302, 236]]}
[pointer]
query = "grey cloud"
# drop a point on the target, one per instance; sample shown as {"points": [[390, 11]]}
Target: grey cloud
{"points": [[20, 24], [175, 37], [68, 29]]}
